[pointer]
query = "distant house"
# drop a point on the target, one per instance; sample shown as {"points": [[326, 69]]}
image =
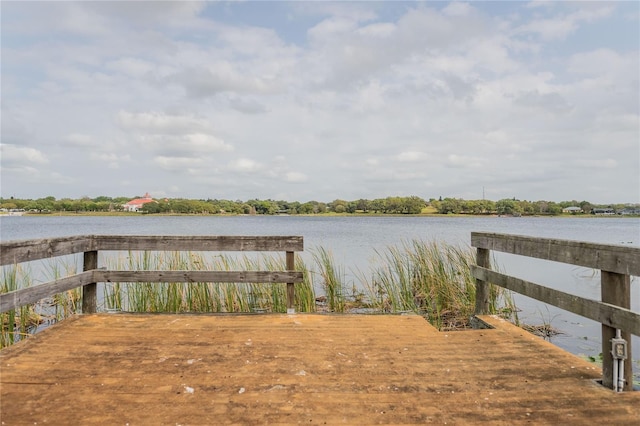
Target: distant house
{"points": [[136, 204], [630, 211], [572, 210], [603, 211]]}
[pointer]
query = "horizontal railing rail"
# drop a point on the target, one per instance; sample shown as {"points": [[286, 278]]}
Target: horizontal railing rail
{"points": [[616, 263], [19, 251], [605, 313], [14, 252]]}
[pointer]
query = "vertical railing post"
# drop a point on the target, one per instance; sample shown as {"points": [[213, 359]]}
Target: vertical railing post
{"points": [[483, 259], [90, 291], [615, 289], [291, 289]]}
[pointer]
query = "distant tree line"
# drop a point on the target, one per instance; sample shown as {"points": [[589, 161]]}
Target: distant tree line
{"points": [[512, 206], [390, 205]]}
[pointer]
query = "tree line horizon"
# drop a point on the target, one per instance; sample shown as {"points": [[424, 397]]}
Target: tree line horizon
{"points": [[411, 205]]}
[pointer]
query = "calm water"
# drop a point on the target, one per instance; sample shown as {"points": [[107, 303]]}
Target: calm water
{"points": [[353, 241]]}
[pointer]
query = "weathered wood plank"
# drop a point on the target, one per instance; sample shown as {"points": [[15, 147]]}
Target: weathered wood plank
{"points": [[15, 299], [199, 243], [615, 289], [606, 257], [199, 276], [90, 291], [483, 258], [28, 250], [604, 313], [18, 251], [291, 290], [157, 369]]}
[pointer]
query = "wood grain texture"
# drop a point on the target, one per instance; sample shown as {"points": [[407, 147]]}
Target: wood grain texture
{"points": [[606, 257], [15, 299], [12, 252], [199, 243], [199, 276], [114, 369], [604, 313]]}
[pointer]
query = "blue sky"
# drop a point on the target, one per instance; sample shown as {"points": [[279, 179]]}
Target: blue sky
{"points": [[321, 100]]}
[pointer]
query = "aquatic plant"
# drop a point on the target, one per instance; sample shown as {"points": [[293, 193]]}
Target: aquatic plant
{"points": [[16, 323], [205, 297], [429, 278], [332, 279], [432, 279]]}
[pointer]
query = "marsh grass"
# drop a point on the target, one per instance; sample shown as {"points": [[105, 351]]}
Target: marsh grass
{"points": [[333, 278], [205, 297], [432, 279], [17, 323], [429, 278]]}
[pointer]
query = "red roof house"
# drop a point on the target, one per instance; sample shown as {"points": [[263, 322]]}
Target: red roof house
{"points": [[137, 203]]}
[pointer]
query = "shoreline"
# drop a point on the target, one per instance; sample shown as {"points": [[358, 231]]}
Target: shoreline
{"points": [[360, 215]]}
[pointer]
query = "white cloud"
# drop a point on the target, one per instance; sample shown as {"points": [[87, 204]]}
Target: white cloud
{"points": [[606, 163], [178, 164], [377, 31], [465, 161], [14, 155], [351, 98], [80, 140], [296, 177], [411, 157], [560, 26], [159, 123], [245, 165], [133, 67]]}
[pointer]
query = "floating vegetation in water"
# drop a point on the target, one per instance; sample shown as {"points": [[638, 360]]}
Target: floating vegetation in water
{"points": [[546, 331]]}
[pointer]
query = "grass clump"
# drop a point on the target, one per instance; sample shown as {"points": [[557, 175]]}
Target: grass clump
{"points": [[432, 279], [205, 297], [16, 323]]}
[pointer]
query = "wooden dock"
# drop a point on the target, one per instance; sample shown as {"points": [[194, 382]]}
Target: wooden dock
{"points": [[308, 369]]}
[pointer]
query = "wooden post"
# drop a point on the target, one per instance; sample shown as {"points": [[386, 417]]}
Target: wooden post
{"points": [[291, 289], [89, 291], [616, 290], [483, 258]]}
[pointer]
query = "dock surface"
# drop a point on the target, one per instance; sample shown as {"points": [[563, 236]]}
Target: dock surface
{"points": [[129, 369]]}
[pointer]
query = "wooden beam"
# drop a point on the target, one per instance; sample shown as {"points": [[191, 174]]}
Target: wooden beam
{"points": [[606, 257], [291, 290], [199, 276], [198, 243], [12, 252], [15, 299], [615, 289], [604, 313], [483, 258], [90, 291]]}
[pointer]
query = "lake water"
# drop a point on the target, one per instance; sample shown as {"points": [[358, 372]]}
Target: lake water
{"points": [[353, 242]]}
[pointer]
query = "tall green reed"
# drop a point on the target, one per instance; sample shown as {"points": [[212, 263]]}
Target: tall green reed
{"points": [[66, 303], [16, 323], [205, 297], [432, 279], [332, 279]]}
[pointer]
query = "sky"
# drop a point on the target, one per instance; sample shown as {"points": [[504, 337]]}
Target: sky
{"points": [[321, 100]]}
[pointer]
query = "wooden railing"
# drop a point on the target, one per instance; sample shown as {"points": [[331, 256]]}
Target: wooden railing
{"points": [[616, 263], [15, 252]]}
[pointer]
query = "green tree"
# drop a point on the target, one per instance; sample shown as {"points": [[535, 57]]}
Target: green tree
{"points": [[413, 205], [508, 206]]}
